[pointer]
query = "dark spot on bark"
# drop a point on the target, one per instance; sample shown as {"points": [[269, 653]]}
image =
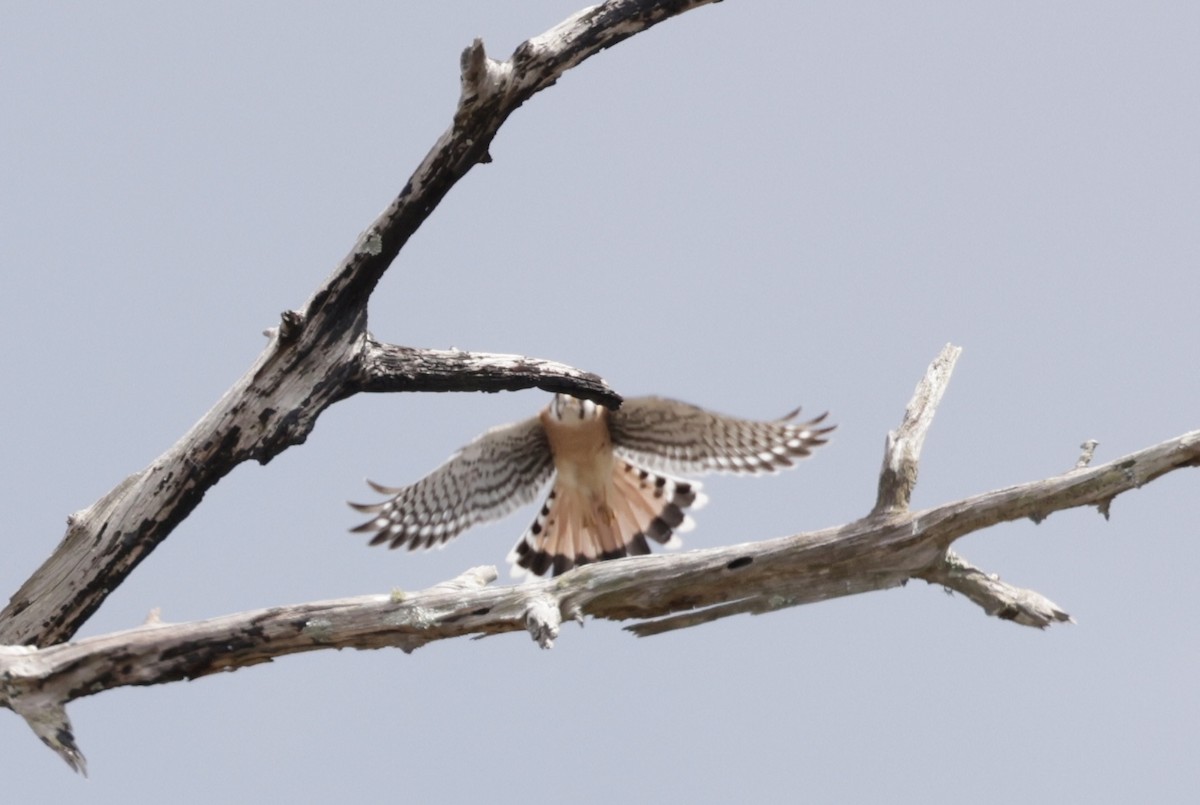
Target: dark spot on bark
{"points": [[1008, 613], [739, 563]]}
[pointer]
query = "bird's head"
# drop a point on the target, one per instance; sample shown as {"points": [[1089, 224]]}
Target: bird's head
{"points": [[566, 408]]}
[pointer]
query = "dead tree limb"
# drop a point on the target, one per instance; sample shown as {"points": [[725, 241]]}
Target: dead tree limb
{"points": [[323, 353], [662, 593]]}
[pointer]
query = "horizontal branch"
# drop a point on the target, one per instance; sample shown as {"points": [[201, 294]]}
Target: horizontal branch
{"points": [[863, 556], [387, 367], [867, 555]]}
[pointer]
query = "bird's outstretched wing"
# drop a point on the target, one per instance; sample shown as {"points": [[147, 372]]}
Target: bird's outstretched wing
{"points": [[679, 438], [496, 473]]}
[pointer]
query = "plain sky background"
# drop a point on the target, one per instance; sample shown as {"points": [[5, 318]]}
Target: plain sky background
{"points": [[754, 206]]}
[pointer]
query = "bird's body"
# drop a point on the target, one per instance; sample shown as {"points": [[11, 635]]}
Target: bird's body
{"points": [[582, 449], [612, 488]]}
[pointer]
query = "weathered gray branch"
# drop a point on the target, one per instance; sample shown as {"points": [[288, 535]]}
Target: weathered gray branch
{"points": [[1005, 601], [387, 367], [663, 592], [903, 449], [323, 354]]}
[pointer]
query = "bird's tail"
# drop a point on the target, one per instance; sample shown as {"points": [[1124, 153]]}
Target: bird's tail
{"points": [[572, 528]]}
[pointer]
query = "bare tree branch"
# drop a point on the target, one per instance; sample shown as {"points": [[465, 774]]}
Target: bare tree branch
{"points": [[322, 354], [662, 592], [1005, 601], [387, 367], [903, 449]]}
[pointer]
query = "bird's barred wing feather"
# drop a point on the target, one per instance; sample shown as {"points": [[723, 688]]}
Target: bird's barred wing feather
{"points": [[498, 472], [675, 437]]}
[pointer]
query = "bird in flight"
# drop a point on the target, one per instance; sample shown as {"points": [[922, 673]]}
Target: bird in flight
{"points": [[614, 474]]}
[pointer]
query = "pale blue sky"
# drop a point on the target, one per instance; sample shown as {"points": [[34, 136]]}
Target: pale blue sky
{"points": [[757, 205]]}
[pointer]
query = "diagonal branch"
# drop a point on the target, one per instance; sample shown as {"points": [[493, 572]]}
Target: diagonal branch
{"points": [[998, 598], [322, 353], [662, 593]]}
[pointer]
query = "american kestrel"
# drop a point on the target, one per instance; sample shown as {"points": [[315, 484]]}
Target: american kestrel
{"points": [[613, 474]]}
